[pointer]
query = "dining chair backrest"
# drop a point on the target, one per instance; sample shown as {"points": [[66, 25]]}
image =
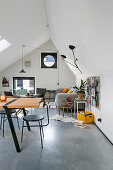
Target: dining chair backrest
{"points": [[8, 93], [41, 91], [47, 112], [69, 99]]}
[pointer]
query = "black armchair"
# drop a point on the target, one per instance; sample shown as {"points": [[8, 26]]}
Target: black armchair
{"points": [[8, 93], [40, 92]]}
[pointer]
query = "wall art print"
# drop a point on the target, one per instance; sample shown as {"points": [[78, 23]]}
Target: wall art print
{"points": [[5, 82], [20, 83], [93, 90]]}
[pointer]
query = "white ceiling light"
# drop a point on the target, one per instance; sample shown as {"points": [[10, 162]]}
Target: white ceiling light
{"points": [[4, 44]]}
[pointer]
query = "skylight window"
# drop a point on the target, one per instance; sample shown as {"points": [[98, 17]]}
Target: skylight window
{"points": [[4, 44]]}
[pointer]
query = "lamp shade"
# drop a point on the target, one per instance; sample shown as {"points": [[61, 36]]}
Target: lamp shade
{"points": [[63, 56], [22, 71], [71, 47]]}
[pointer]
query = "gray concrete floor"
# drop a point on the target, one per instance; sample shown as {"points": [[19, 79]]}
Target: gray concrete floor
{"points": [[65, 148]]}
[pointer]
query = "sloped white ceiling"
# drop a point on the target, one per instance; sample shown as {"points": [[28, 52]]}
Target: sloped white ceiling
{"points": [[21, 22], [87, 24]]}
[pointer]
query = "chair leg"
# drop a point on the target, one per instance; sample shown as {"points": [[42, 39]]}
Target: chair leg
{"points": [[22, 131], [71, 112], [63, 111], [3, 123], [67, 110], [41, 135], [59, 111], [42, 130], [17, 122]]}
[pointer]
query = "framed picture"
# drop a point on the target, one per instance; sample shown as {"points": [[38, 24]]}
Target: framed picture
{"points": [[5, 82], [93, 90], [48, 60], [20, 83], [28, 63]]}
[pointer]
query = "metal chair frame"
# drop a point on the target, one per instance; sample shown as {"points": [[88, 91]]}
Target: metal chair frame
{"points": [[40, 125], [66, 106], [4, 119]]}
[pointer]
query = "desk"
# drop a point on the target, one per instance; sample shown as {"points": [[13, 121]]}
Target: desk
{"points": [[77, 101], [18, 103]]}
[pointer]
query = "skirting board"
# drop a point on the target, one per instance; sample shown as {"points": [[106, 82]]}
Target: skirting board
{"points": [[103, 134]]}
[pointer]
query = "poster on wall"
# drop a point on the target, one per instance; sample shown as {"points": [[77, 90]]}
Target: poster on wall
{"points": [[5, 82], [20, 83]]}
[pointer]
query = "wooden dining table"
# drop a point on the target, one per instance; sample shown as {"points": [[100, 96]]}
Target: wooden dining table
{"points": [[18, 103]]}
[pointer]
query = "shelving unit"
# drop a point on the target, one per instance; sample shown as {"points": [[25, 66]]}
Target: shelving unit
{"points": [[93, 90]]}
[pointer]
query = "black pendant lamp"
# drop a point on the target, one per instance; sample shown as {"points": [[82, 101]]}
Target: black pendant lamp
{"points": [[22, 71]]}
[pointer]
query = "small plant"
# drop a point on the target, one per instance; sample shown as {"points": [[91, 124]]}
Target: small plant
{"points": [[81, 89]]}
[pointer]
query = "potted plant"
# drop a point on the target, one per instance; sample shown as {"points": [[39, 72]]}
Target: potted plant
{"points": [[81, 90]]}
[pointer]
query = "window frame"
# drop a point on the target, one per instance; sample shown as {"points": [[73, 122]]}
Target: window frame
{"points": [[27, 78], [43, 55]]}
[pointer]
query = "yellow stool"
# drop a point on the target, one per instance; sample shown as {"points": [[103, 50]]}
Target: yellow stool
{"points": [[87, 117]]}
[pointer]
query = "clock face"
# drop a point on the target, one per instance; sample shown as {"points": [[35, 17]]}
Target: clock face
{"points": [[3, 98]]}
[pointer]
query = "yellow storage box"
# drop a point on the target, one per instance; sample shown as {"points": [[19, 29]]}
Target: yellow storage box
{"points": [[87, 117]]}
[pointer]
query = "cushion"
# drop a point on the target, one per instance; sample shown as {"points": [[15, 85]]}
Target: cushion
{"points": [[70, 88], [69, 99], [70, 91], [64, 90]]}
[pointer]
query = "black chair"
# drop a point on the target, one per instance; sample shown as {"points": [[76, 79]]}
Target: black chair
{"points": [[8, 93], [4, 118], [40, 92], [36, 118]]}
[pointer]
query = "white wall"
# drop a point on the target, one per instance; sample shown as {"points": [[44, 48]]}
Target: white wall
{"points": [[105, 112], [45, 78], [87, 24], [22, 22]]}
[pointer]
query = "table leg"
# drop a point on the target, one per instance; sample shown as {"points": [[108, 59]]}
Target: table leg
{"points": [[54, 95], [74, 107], [26, 121], [12, 129], [77, 106], [63, 111], [49, 96]]}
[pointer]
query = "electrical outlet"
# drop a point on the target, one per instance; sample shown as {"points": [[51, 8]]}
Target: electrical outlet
{"points": [[99, 119]]}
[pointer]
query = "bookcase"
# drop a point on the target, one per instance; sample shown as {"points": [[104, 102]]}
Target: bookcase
{"points": [[93, 90]]}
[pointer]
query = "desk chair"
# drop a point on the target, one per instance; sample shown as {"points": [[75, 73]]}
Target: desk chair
{"points": [[8, 93], [4, 118], [67, 105], [36, 118], [40, 92]]}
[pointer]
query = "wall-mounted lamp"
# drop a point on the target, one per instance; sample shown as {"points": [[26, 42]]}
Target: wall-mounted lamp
{"points": [[22, 71], [71, 47]]}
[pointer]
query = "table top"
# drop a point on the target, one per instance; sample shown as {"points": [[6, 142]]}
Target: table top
{"points": [[22, 103], [80, 100]]}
